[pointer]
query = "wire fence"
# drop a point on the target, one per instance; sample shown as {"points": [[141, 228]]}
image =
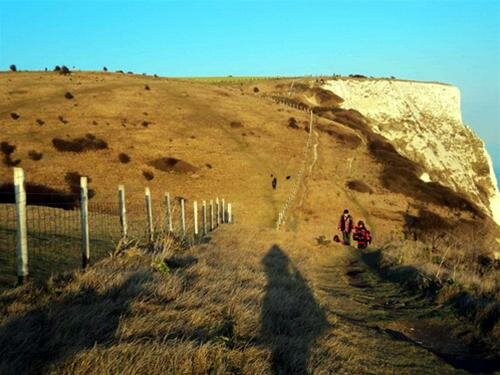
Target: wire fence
{"points": [[282, 213], [54, 231], [54, 237]]}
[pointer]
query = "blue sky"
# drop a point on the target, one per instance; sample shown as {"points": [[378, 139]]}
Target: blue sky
{"points": [[451, 41]]}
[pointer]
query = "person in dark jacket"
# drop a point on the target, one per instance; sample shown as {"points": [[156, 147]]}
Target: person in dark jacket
{"points": [[345, 226], [362, 235]]}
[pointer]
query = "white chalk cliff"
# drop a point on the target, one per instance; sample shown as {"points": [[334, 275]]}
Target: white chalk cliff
{"points": [[424, 123]]}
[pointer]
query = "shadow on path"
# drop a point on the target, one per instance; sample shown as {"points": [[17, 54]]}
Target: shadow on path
{"points": [[291, 318], [32, 342]]}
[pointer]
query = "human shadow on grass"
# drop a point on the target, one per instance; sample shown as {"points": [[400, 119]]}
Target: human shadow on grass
{"points": [[291, 318], [39, 338]]}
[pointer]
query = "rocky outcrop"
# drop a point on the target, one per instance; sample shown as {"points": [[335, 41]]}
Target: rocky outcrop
{"points": [[424, 123]]}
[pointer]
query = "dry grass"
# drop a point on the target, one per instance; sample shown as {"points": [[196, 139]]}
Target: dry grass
{"points": [[444, 254], [244, 302], [176, 110], [80, 144], [359, 186], [173, 311]]}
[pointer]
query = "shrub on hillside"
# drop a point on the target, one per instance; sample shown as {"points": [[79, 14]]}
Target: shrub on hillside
{"points": [[14, 115], [73, 181], [148, 175], [40, 121], [124, 158], [35, 156], [256, 89], [7, 148], [88, 143], [292, 123], [62, 119], [105, 69], [359, 186], [13, 68], [65, 70], [57, 68], [147, 87], [236, 124], [7, 151], [68, 95]]}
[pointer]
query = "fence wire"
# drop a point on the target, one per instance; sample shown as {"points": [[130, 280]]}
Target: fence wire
{"points": [[55, 239]]}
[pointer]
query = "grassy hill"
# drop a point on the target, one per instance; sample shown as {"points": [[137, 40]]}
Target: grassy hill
{"points": [[234, 304], [198, 138]]}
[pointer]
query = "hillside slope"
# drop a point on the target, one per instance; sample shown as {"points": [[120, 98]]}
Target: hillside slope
{"points": [[250, 299], [232, 137]]}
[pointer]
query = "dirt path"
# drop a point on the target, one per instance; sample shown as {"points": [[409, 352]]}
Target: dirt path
{"points": [[326, 303], [359, 322]]}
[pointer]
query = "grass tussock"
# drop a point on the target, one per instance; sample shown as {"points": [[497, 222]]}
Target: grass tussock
{"points": [[124, 158], [7, 150], [292, 123], [347, 139], [82, 144], [35, 155], [236, 124], [359, 186], [148, 175]]}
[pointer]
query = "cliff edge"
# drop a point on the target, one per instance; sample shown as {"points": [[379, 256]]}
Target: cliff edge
{"points": [[424, 123]]}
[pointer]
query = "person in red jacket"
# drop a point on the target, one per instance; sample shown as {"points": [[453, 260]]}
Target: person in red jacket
{"points": [[345, 226], [362, 235]]}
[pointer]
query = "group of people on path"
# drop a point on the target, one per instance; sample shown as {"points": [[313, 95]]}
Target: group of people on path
{"points": [[361, 234]]}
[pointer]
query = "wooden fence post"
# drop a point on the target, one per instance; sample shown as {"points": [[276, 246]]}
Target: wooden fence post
{"points": [[223, 213], [211, 215], [217, 212], [21, 226], [149, 213], [169, 213], [195, 219], [183, 219], [84, 218], [122, 210], [229, 213], [204, 218]]}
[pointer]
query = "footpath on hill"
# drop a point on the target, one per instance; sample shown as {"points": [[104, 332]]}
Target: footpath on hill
{"points": [[248, 300]]}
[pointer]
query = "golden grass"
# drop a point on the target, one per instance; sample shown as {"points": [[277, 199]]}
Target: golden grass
{"points": [[250, 301], [245, 302]]}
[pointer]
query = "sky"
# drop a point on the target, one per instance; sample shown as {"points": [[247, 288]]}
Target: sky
{"points": [[457, 42]]}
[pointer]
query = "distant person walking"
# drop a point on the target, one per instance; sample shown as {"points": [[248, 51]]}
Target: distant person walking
{"points": [[362, 235], [345, 226], [274, 182]]}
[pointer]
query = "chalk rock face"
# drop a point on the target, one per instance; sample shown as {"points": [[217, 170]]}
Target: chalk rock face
{"points": [[424, 123]]}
